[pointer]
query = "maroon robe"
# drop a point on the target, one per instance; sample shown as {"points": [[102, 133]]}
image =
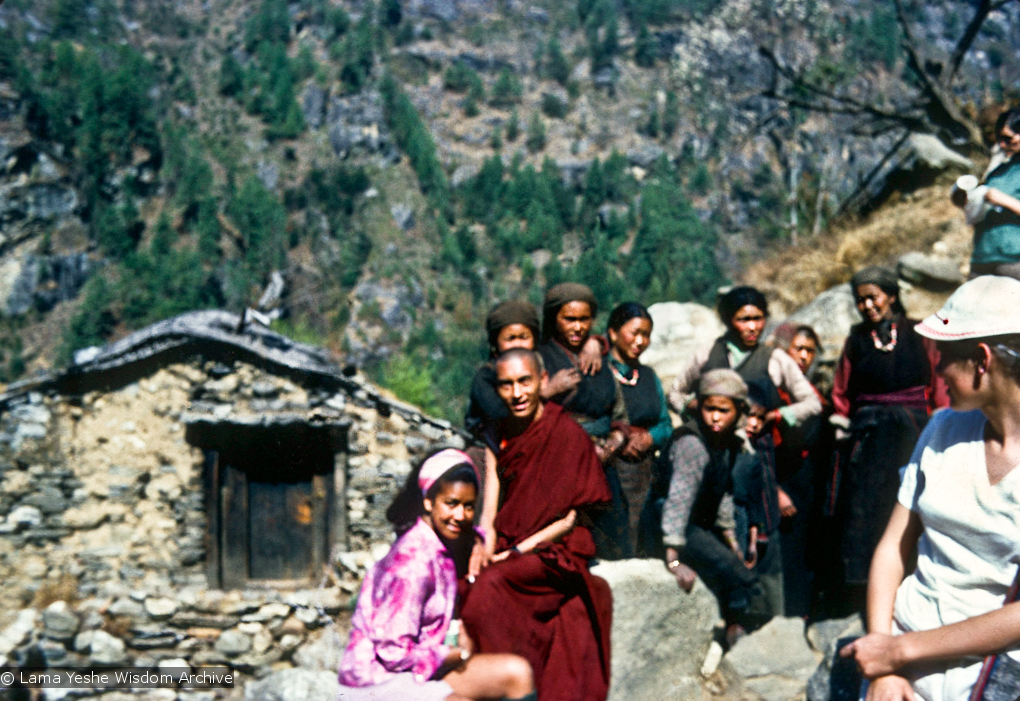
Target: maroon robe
{"points": [[545, 605]]}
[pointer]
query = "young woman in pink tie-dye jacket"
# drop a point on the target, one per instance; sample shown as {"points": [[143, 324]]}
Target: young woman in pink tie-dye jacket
{"points": [[402, 645]]}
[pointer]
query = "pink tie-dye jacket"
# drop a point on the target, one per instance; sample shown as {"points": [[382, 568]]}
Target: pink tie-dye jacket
{"points": [[404, 611]]}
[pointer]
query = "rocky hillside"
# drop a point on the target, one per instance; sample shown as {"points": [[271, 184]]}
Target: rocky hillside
{"points": [[373, 177]]}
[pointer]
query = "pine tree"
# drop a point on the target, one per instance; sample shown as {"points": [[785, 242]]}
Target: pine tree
{"points": [[536, 133]]}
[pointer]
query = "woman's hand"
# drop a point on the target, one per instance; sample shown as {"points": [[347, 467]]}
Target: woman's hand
{"points": [[877, 654], [606, 449], [638, 444], [685, 576], [480, 558], [786, 506], [563, 381], [465, 641], [751, 559], [891, 687], [589, 360]]}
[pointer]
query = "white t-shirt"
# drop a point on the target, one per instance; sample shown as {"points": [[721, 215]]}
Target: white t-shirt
{"points": [[969, 550]]}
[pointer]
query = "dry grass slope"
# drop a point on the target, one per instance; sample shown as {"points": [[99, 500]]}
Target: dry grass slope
{"points": [[923, 221]]}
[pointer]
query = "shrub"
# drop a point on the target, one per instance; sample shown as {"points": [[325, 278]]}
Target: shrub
{"points": [[536, 133], [507, 90], [554, 107], [556, 66], [513, 127]]}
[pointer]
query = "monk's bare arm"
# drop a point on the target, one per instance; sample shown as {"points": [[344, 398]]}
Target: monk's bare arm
{"points": [[550, 534]]}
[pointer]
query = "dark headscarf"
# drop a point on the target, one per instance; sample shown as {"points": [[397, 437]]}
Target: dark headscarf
{"points": [[884, 278], [737, 298], [561, 294], [512, 311], [626, 311]]}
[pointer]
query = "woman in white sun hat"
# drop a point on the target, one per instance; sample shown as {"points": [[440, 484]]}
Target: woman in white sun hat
{"points": [[959, 506]]}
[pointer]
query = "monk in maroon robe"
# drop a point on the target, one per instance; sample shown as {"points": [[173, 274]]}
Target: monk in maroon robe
{"points": [[537, 597]]}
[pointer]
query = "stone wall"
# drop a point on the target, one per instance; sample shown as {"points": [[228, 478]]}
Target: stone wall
{"points": [[103, 522]]}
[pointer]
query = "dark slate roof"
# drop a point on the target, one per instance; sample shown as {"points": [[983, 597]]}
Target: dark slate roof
{"points": [[216, 334]]}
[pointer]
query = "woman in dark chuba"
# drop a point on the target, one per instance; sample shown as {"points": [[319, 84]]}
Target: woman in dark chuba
{"points": [[883, 392], [630, 331]]}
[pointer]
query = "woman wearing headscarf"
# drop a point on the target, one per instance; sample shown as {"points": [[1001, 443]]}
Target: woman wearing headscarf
{"points": [[958, 509], [402, 644], [593, 401], [883, 392], [649, 426], [744, 311]]}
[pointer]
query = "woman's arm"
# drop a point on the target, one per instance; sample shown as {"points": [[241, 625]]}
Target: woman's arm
{"points": [[663, 428], [785, 373], [396, 633], [889, 565], [688, 458], [987, 634], [873, 652], [686, 383], [998, 198], [550, 534], [481, 555]]}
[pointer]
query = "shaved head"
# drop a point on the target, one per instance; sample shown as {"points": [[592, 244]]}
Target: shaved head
{"points": [[520, 375], [528, 356]]}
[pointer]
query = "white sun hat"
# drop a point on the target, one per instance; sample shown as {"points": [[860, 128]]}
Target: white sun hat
{"points": [[985, 306]]}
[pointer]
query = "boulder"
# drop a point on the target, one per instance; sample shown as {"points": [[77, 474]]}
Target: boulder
{"points": [[835, 679], [928, 150], [294, 685], [776, 660], [25, 516], [679, 329], [403, 216], [313, 104], [660, 634], [463, 174], [928, 272]]}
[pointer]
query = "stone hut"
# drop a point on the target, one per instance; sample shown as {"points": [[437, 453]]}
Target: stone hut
{"points": [[202, 491]]}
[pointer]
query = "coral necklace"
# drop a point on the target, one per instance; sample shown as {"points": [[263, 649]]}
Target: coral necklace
{"points": [[620, 378], [885, 347]]}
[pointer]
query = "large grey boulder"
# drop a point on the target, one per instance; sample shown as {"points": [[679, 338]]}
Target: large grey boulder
{"points": [[679, 329], [660, 634], [294, 685], [928, 272], [776, 660]]}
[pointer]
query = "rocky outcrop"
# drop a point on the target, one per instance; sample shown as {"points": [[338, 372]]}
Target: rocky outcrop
{"points": [[40, 282], [356, 122]]}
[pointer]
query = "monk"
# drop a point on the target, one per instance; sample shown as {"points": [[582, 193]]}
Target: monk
{"points": [[537, 597]]}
